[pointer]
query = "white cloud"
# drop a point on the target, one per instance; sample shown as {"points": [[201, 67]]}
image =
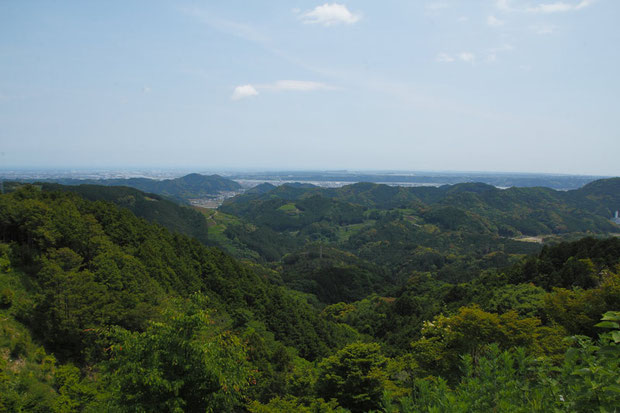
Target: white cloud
{"points": [[503, 5], [297, 85], [494, 21], [330, 14], [463, 19], [244, 91], [467, 57], [559, 6], [489, 55], [555, 7], [444, 58]]}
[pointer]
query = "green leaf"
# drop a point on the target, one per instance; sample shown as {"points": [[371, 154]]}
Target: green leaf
{"points": [[607, 324], [607, 350], [611, 316]]}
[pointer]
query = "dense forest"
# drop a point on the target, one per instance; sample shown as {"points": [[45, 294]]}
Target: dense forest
{"points": [[462, 298]]}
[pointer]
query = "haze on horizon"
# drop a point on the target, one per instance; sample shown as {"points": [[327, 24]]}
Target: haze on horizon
{"points": [[436, 85]]}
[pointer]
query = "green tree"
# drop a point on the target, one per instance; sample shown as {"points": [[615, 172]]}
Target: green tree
{"points": [[445, 339], [354, 376], [181, 364], [511, 381], [291, 404]]}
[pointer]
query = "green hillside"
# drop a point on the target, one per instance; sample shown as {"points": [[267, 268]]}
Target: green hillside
{"points": [[531, 211], [152, 207], [424, 307], [454, 231]]}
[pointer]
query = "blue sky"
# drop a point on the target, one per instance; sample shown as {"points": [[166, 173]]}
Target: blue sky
{"points": [[488, 85]]}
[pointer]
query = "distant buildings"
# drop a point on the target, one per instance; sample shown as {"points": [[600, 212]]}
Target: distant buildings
{"points": [[616, 218]]}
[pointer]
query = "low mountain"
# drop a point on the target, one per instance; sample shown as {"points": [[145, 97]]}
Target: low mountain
{"points": [[192, 186], [179, 189], [604, 195], [513, 211], [260, 189], [87, 266], [152, 207], [452, 231]]}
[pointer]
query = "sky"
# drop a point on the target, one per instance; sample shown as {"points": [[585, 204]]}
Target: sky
{"points": [[437, 85]]}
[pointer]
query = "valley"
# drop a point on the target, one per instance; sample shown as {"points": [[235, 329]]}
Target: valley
{"points": [[281, 287]]}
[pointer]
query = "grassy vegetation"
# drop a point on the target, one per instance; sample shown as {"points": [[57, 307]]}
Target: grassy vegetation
{"points": [[290, 209], [218, 222], [344, 232]]}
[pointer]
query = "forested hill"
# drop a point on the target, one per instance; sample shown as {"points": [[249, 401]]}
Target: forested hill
{"points": [[530, 211], [102, 311], [80, 244], [180, 189], [83, 275], [384, 196], [154, 208], [374, 234], [603, 194]]}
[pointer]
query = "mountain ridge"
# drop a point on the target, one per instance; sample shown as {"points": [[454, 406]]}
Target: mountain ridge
{"points": [[178, 189]]}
